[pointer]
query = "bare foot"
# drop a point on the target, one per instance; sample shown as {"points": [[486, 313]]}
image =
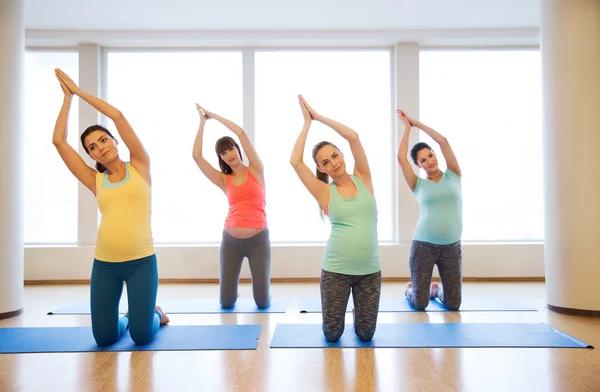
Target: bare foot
{"points": [[408, 286], [164, 319], [433, 292]]}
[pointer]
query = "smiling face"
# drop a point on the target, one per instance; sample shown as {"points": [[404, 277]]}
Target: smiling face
{"points": [[101, 146], [427, 160], [330, 161], [229, 154]]}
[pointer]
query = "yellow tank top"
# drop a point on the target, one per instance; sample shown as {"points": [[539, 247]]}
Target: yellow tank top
{"points": [[125, 231]]}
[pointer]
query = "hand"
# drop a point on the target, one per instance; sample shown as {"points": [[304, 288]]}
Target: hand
{"points": [[314, 115], [403, 117], [412, 121], [208, 114], [67, 81], [66, 91], [203, 115], [305, 112]]}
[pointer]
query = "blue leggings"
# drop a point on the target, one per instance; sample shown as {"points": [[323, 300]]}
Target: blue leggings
{"points": [[106, 287]]}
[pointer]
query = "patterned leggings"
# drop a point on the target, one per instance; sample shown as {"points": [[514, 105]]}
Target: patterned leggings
{"points": [[448, 258], [335, 291]]}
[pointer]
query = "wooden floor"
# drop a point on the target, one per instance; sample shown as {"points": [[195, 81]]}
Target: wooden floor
{"points": [[282, 370]]}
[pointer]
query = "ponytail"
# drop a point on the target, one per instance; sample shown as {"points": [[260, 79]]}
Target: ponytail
{"points": [[325, 178], [320, 175], [100, 167]]}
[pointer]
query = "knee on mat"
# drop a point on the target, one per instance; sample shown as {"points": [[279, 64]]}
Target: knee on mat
{"points": [[262, 303], [227, 303], [365, 336], [141, 338], [332, 336], [421, 303], [104, 340], [452, 305]]}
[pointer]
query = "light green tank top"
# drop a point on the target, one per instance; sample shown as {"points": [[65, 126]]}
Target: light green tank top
{"points": [[352, 248], [440, 210]]}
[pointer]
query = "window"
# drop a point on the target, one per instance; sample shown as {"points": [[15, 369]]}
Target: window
{"points": [[488, 105], [157, 92], [352, 87], [50, 188]]}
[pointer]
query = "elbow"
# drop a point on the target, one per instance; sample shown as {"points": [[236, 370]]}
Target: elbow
{"points": [[57, 142], [295, 162], [353, 136], [402, 157], [444, 141], [118, 116]]}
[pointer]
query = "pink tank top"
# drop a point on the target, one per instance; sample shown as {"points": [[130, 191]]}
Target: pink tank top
{"points": [[246, 204]]}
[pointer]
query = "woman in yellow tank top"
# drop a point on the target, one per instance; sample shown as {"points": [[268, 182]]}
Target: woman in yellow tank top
{"points": [[124, 249]]}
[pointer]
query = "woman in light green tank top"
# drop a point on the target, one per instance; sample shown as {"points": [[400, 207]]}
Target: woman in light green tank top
{"points": [[351, 260], [436, 240]]}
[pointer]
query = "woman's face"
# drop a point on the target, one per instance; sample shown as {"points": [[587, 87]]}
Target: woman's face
{"points": [[101, 147], [330, 161]]}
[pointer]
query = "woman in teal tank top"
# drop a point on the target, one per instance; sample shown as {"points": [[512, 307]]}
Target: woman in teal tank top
{"points": [[351, 260], [437, 237]]}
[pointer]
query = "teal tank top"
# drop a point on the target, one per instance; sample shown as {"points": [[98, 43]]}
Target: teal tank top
{"points": [[352, 248], [440, 209]]}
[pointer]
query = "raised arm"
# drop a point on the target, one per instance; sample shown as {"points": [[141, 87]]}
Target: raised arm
{"points": [[85, 174], [316, 187], [451, 161], [215, 176], [409, 175], [254, 161], [139, 156], [361, 164]]}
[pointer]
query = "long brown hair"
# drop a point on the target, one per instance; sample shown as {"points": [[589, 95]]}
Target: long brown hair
{"points": [[319, 174], [223, 144]]}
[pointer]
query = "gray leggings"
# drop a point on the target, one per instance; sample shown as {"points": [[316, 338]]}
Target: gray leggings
{"points": [[448, 258], [258, 251], [335, 291]]}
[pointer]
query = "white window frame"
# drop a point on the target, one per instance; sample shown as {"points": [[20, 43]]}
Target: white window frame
{"points": [[404, 90]]}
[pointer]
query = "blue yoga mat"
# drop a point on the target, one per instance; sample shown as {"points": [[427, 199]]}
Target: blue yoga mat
{"points": [[401, 304], [185, 306], [168, 338], [429, 336]]}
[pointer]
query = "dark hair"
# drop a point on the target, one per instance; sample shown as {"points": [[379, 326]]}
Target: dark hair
{"points": [[415, 150], [319, 174], [223, 144], [100, 167]]}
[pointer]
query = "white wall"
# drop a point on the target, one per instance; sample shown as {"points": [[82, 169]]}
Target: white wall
{"points": [[489, 260], [202, 262]]}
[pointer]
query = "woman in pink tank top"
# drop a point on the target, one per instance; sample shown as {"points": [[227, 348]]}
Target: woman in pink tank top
{"points": [[245, 232]]}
